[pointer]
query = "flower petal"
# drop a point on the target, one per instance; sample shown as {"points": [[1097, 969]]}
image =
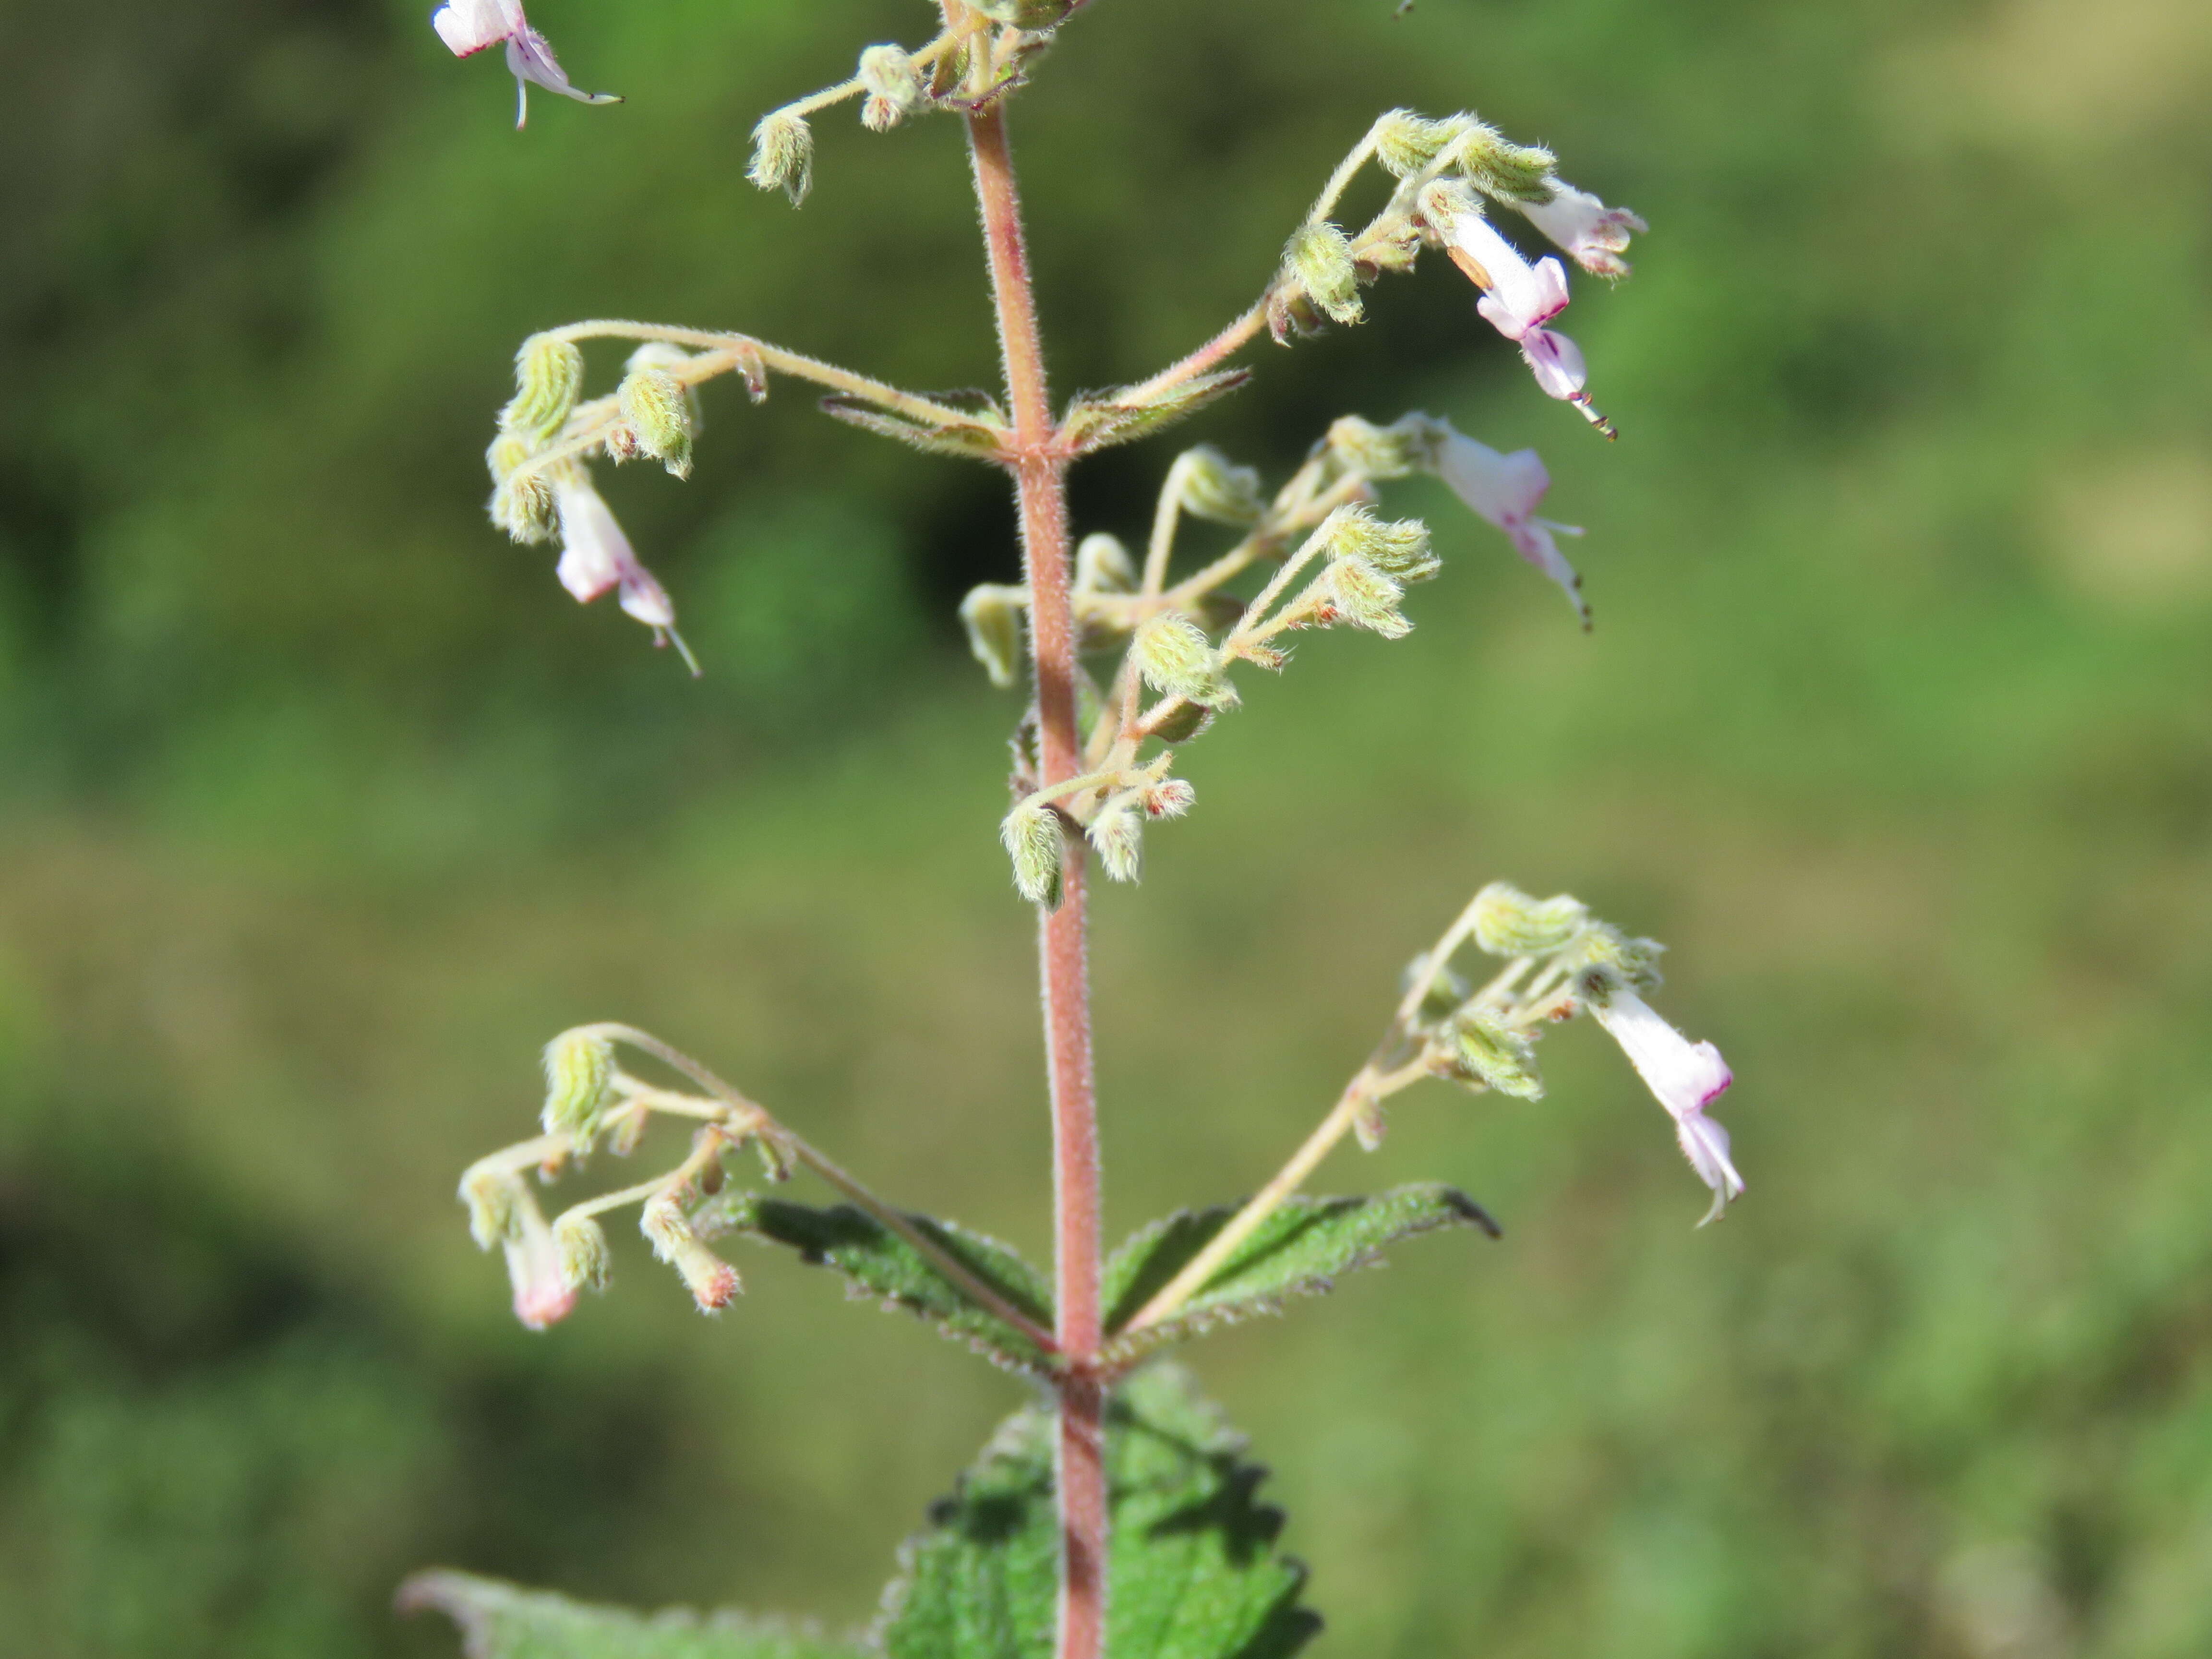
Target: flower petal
{"points": [[1555, 360]]}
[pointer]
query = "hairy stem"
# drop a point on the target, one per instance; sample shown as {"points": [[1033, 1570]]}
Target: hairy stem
{"points": [[1042, 479], [1227, 344]]}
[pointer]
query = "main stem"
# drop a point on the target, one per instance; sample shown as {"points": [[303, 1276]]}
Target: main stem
{"points": [[1040, 476]]}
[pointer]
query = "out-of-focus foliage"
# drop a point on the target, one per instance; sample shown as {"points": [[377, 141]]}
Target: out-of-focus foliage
{"points": [[325, 807]]}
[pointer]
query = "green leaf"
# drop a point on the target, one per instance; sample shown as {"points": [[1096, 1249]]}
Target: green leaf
{"points": [[1298, 1250], [503, 1621], [1193, 1569], [982, 439], [1100, 419], [878, 1263]]}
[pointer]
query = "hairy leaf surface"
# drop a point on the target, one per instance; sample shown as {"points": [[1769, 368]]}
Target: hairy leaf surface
{"points": [[1194, 1570], [504, 1621], [1299, 1250], [878, 1263]]}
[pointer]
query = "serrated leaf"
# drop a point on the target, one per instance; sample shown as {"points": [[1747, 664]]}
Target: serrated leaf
{"points": [[1299, 1250], [983, 439], [1107, 417], [504, 1621], [1193, 1570], [878, 1263]]}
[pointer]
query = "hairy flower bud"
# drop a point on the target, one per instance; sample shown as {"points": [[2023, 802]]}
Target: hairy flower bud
{"points": [[495, 1199], [1118, 834], [656, 408], [549, 374], [713, 1282], [1171, 797], [1363, 596], [1511, 172], [783, 155], [1382, 452], [1481, 1048], [524, 506], [893, 85], [992, 614], [1508, 922], [1214, 488], [1398, 548], [1405, 142], [579, 1065], [1318, 257], [1103, 565], [1031, 837], [1619, 959], [586, 1263], [1178, 661]]}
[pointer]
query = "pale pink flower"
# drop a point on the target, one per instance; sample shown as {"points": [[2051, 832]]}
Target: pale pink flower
{"points": [[1686, 1077], [1518, 298], [1594, 234], [1506, 489], [597, 558], [543, 1295], [470, 25]]}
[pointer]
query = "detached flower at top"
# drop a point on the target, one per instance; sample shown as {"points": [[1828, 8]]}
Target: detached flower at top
{"points": [[1518, 298], [1686, 1077], [1594, 234], [1506, 489], [470, 25], [596, 557]]}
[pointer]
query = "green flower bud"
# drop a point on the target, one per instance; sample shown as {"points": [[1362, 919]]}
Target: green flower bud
{"points": [[656, 408], [1398, 548], [783, 155], [579, 1068], [1511, 172], [1103, 565], [495, 1199], [713, 1282], [1031, 837], [1184, 721], [1406, 446], [1178, 661], [992, 614], [1213, 488], [1631, 962], [524, 506], [1483, 1049], [1364, 597], [1319, 258], [1405, 142], [1118, 833], [1510, 923], [586, 1263], [549, 374]]}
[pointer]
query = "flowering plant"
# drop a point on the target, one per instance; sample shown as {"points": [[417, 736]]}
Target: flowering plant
{"points": [[1114, 1513]]}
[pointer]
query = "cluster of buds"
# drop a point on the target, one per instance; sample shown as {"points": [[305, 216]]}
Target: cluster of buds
{"points": [[590, 1101], [468, 27], [542, 486], [1559, 962], [1339, 563], [983, 54], [1446, 171]]}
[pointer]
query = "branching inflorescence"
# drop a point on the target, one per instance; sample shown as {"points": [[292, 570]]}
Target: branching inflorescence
{"points": [[1094, 767]]}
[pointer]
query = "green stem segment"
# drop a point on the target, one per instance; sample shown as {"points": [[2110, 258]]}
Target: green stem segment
{"points": [[1040, 479]]}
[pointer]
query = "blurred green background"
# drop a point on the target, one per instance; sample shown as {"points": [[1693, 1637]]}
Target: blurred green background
{"points": [[323, 807]]}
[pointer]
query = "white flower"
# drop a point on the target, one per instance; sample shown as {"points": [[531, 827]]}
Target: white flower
{"points": [[1518, 298], [1686, 1077], [470, 25], [1506, 489], [1594, 234], [543, 1294], [597, 557]]}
